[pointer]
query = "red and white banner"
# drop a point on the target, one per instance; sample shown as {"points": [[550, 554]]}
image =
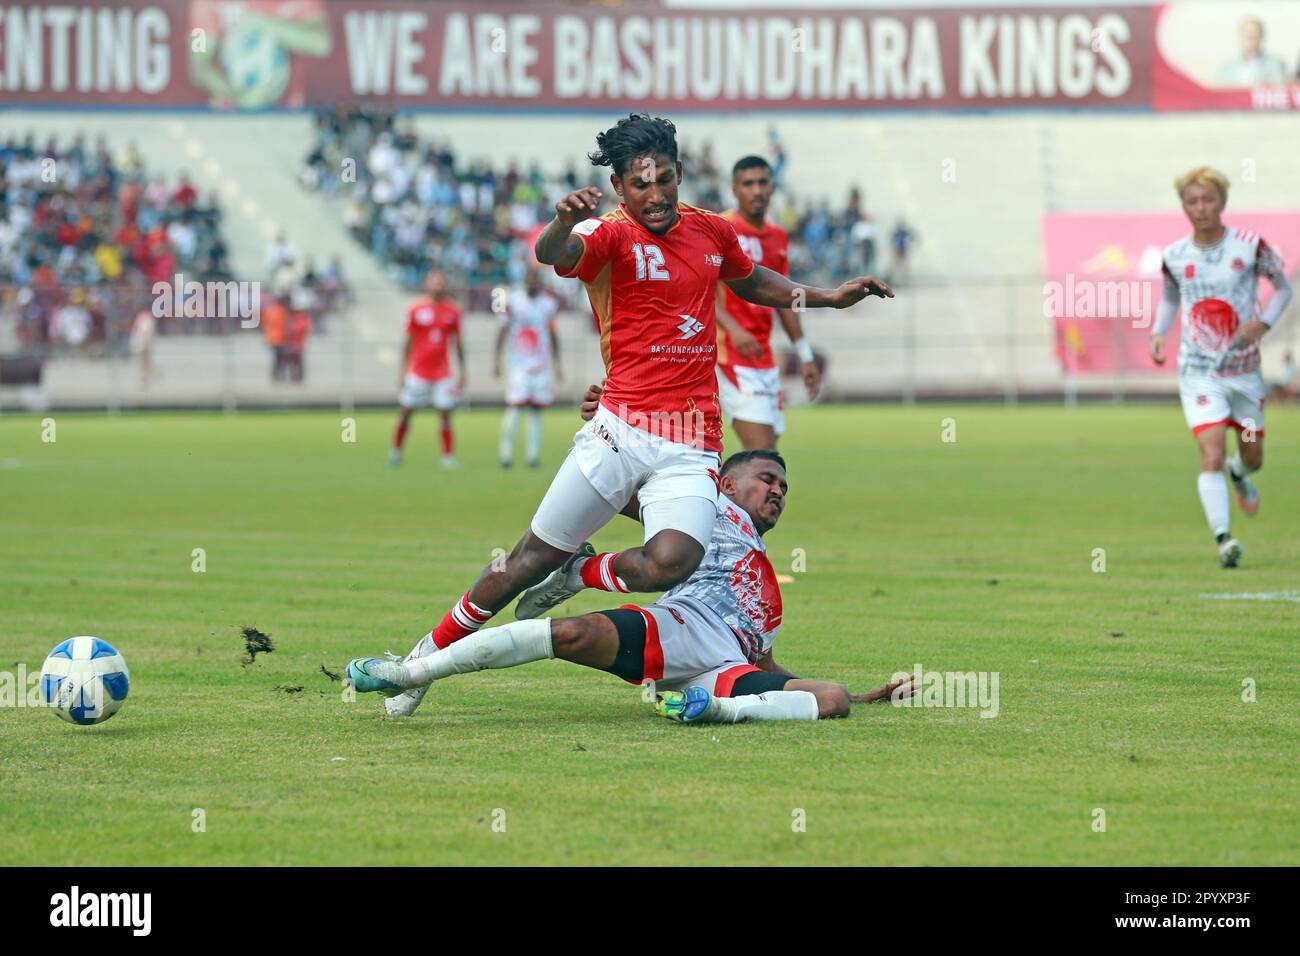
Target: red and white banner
{"points": [[258, 54], [255, 54], [1104, 281], [1221, 56]]}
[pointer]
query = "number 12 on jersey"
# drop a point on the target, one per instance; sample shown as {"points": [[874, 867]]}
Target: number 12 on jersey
{"points": [[649, 261]]}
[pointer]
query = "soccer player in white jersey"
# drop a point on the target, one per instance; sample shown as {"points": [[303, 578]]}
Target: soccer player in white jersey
{"points": [[532, 351], [706, 644], [1214, 275]]}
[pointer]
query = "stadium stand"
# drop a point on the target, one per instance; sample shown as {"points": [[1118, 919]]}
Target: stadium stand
{"points": [[971, 321]]}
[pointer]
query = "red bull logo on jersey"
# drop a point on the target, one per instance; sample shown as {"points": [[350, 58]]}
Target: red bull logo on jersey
{"points": [[754, 584]]}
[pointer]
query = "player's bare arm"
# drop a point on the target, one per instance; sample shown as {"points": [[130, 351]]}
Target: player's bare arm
{"points": [[1249, 333], [741, 338], [769, 664], [765, 287], [885, 691], [812, 377], [403, 365], [557, 246]]}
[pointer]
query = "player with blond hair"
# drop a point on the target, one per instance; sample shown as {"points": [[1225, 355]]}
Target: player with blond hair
{"points": [[1214, 275]]}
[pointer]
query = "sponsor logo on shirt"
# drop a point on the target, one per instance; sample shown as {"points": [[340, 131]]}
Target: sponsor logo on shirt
{"points": [[1189, 271], [710, 259], [690, 326], [601, 432]]}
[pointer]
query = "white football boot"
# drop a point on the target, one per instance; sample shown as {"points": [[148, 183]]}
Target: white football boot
{"points": [[556, 588], [1230, 553], [404, 704]]}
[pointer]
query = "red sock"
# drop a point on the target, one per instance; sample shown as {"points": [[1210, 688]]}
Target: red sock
{"points": [[446, 438], [399, 435], [464, 618], [598, 572]]}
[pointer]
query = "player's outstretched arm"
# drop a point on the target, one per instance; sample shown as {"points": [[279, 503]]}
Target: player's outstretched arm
{"points": [[812, 376], [765, 287], [886, 691], [557, 246]]}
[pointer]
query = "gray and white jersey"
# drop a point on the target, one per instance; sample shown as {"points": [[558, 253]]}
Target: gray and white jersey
{"points": [[1218, 287], [736, 582]]}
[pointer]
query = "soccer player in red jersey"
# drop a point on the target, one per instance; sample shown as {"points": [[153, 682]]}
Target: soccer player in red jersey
{"points": [[651, 268], [749, 383], [432, 325]]}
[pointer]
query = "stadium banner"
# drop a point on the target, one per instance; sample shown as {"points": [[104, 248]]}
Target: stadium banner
{"points": [[259, 54], [1104, 281], [1218, 56]]}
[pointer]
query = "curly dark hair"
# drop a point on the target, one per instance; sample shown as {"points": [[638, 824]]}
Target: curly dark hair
{"points": [[740, 457], [638, 134]]}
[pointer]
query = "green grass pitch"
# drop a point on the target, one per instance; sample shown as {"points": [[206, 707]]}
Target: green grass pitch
{"points": [[1120, 691]]}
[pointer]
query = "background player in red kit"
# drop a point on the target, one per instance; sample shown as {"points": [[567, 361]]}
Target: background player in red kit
{"points": [[432, 325], [651, 269], [749, 383]]}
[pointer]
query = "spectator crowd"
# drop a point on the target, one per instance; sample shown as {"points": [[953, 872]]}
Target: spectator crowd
{"points": [[84, 235], [417, 205]]}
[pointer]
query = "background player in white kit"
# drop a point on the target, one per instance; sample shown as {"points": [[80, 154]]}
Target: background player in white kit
{"points": [[706, 645], [1214, 274], [532, 355]]}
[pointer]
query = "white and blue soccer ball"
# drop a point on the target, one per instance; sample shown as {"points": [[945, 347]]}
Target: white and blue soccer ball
{"points": [[85, 680]]}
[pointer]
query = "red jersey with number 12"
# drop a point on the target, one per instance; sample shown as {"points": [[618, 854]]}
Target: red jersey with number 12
{"points": [[431, 326], [654, 298], [768, 247]]}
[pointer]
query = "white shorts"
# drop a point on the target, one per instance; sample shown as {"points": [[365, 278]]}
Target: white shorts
{"points": [[755, 395], [1233, 400], [528, 388], [687, 644], [417, 392], [610, 461]]}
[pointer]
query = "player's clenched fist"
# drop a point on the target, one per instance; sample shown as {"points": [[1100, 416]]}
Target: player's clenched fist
{"points": [[590, 402], [578, 205], [855, 290]]}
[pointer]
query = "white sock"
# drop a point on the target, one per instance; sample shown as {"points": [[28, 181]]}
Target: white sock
{"points": [[1238, 468], [774, 705], [533, 436], [520, 642], [509, 429], [1214, 499]]}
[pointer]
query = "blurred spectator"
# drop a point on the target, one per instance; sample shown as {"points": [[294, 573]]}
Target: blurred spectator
{"points": [[900, 244], [142, 331], [275, 326], [416, 206], [279, 254], [296, 344], [71, 321], [81, 249]]}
